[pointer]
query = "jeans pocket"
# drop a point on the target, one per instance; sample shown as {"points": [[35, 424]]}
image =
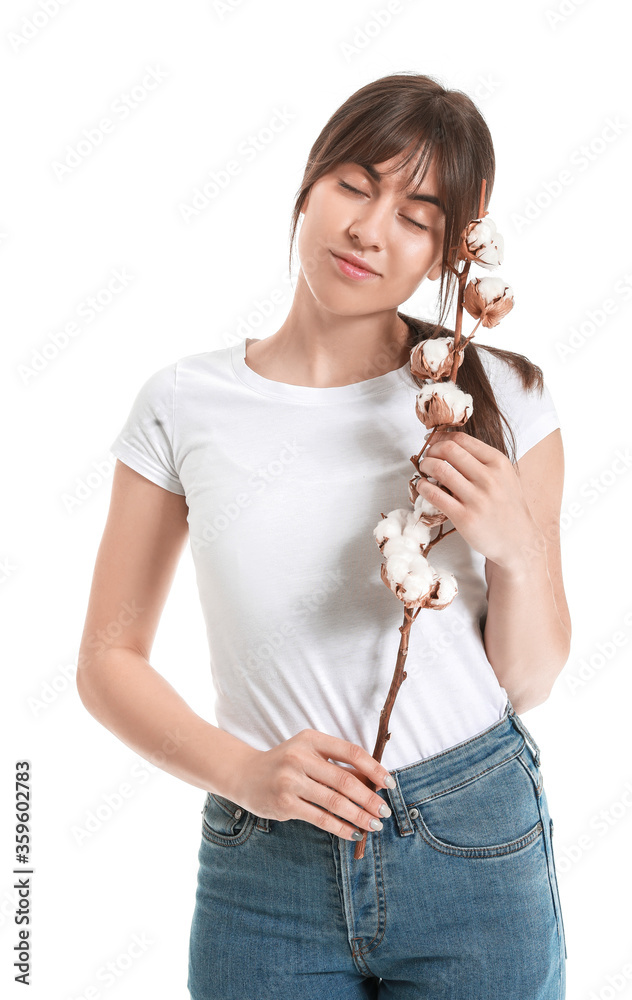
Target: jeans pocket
{"points": [[493, 813], [225, 822], [556, 892]]}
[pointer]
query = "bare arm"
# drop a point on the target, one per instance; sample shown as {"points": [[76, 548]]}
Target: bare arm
{"points": [[528, 627], [142, 542]]}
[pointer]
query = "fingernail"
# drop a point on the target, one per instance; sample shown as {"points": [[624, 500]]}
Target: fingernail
{"points": [[356, 835], [376, 825], [389, 781], [384, 810]]}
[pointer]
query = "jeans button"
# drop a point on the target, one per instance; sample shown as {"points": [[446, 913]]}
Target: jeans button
{"points": [[413, 813], [237, 813]]}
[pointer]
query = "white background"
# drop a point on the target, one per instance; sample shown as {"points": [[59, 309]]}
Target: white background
{"points": [[548, 79]]}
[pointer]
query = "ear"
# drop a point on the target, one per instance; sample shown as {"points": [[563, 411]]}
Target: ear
{"points": [[434, 272]]}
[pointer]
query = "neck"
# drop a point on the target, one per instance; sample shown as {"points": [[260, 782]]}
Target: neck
{"points": [[315, 347]]}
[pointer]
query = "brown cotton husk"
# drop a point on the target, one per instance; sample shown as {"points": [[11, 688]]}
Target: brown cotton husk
{"points": [[427, 600], [419, 364], [464, 252], [435, 411], [491, 311]]}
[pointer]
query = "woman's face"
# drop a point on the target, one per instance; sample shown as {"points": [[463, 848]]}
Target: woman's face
{"points": [[348, 211]]}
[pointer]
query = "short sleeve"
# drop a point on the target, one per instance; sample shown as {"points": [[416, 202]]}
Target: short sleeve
{"points": [[531, 413], [145, 442]]}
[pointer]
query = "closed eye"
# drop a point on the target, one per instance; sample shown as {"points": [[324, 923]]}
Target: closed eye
{"points": [[348, 187]]}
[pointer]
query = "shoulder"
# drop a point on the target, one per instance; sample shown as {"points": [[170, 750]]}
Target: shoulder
{"points": [[163, 383]]}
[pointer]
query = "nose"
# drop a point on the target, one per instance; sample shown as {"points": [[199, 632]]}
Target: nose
{"points": [[369, 225]]}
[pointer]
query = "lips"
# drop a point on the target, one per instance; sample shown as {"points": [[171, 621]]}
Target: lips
{"points": [[356, 261]]}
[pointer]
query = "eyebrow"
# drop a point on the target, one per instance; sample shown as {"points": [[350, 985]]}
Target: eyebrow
{"points": [[377, 176]]}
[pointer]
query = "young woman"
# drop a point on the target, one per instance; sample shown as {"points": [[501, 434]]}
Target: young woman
{"points": [[276, 458]]}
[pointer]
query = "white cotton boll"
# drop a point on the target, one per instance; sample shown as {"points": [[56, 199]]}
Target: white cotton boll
{"points": [[416, 585], [391, 525], [400, 546], [443, 389], [436, 350], [395, 546], [416, 529], [423, 506], [491, 255], [387, 528], [398, 567], [458, 401], [412, 545], [448, 587], [413, 588], [482, 232], [400, 514], [420, 567], [491, 288]]}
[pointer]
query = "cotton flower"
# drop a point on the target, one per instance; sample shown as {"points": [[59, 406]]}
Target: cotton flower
{"points": [[433, 358], [490, 298], [482, 244], [446, 591], [423, 587], [441, 404], [402, 530], [401, 537]]}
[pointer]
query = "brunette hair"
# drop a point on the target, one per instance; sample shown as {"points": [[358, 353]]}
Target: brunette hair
{"points": [[382, 120]]}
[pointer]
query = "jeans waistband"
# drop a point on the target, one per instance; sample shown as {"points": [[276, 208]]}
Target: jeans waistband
{"points": [[450, 768], [446, 770]]}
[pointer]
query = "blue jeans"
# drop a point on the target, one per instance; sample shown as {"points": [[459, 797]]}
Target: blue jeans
{"points": [[456, 898]]}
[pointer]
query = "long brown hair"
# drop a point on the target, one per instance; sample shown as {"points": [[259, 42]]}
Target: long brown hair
{"points": [[382, 120]]}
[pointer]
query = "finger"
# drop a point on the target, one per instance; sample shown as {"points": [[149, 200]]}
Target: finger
{"points": [[484, 452], [340, 788], [326, 821], [340, 801], [352, 754], [447, 475], [456, 457], [448, 505]]}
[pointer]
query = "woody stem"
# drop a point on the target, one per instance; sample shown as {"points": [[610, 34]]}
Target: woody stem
{"points": [[383, 735], [461, 290]]}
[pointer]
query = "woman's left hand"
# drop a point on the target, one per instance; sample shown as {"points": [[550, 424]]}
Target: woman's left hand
{"points": [[488, 507]]}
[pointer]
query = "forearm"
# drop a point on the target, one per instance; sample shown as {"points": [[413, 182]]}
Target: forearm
{"points": [[525, 640], [136, 703]]}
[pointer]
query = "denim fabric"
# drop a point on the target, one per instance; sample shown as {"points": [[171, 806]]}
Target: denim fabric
{"points": [[456, 898]]}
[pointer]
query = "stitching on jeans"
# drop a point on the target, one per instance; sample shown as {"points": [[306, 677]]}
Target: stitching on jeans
{"points": [[467, 781], [557, 903], [349, 904], [476, 853], [368, 949], [537, 784], [229, 840], [457, 746]]}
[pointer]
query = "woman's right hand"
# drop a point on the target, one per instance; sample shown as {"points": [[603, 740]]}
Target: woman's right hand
{"points": [[297, 780]]}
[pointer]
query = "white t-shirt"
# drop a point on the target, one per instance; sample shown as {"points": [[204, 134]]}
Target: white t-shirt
{"points": [[284, 485]]}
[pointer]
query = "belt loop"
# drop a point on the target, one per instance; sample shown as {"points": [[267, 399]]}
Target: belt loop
{"points": [[399, 807], [519, 724]]}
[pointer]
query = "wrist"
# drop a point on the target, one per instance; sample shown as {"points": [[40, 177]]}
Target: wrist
{"points": [[523, 562], [237, 760], [241, 765]]}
